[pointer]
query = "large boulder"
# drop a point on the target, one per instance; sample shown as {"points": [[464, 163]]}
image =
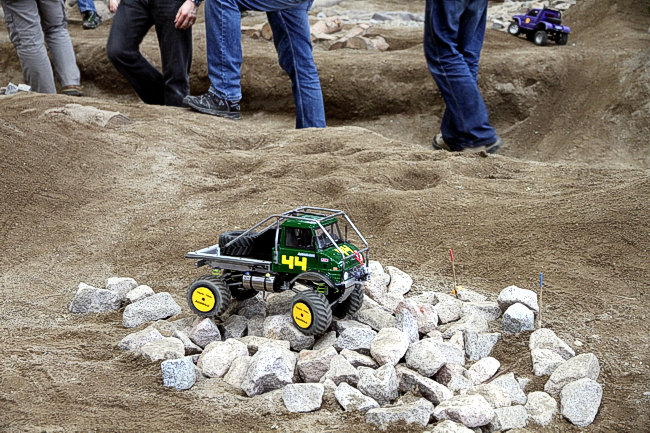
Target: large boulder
{"points": [[237, 371], [204, 332], [136, 340], [410, 381], [380, 384], [448, 426], [120, 286], [89, 299], [545, 361], [313, 364], [282, 328], [356, 338], [303, 397], [470, 322], [582, 366], [217, 357], [140, 292], [341, 371], [489, 310], [494, 394], [518, 318], [376, 284], [479, 344], [377, 317], [162, 349], [270, 368], [541, 407], [483, 369], [424, 313], [580, 401], [406, 323], [234, 326], [547, 339], [511, 385], [389, 346], [351, 399], [508, 418], [418, 413], [190, 347], [327, 340], [514, 295], [342, 325], [158, 306], [469, 410], [178, 373], [254, 343], [425, 357], [252, 307], [448, 309], [358, 360], [467, 295], [400, 282]]}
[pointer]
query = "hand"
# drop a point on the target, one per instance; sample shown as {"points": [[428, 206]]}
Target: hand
{"points": [[186, 15], [112, 5]]}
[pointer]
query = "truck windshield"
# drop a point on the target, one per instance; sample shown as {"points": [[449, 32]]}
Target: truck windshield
{"points": [[322, 239]]}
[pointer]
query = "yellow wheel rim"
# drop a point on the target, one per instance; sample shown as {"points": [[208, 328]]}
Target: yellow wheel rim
{"points": [[301, 315], [203, 299]]}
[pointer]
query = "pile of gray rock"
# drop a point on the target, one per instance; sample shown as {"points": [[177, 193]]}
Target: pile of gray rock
{"points": [[500, 14], [414, 360]]}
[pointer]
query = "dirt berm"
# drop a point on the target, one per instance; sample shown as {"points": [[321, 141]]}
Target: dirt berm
{"points": [[568, 197]]}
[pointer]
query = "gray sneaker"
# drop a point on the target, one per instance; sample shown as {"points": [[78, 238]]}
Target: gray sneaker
{"points": [[439, 144]]}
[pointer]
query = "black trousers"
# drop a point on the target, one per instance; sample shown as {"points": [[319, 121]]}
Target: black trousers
{"points": [[132, 21]]}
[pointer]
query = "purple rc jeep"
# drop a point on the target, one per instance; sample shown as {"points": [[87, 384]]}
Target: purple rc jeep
{"points": [[540, 25]]}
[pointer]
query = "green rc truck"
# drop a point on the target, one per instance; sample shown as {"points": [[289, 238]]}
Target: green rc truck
{"points": [[301, 250]]}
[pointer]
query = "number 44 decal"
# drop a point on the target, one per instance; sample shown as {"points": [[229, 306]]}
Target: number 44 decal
{"points": [[294, 261]]}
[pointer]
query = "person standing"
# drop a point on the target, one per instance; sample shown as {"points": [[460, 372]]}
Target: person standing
{"points": [[91, 19], [453, 37], [289, 23], [173, 20], [31, 24]]}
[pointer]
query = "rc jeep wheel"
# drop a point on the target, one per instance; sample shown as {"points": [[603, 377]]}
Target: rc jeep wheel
{"points": [[513, 28], [350, 305], [208, 296], [311, 313], [541, 38], [241, 247], [562, 39]]}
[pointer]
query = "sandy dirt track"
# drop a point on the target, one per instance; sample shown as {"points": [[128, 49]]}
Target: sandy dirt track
{"points": [[567, 197]]}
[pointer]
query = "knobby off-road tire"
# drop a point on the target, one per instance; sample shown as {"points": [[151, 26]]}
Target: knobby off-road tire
{"points": [[562, 39], [208, 296], [541, 38], [241, 247], [311, 312], [513, 28], [350, 305]]}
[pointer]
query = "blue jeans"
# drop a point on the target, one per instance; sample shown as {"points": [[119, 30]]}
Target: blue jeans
{"points": [[453, 38], [290, 25], [86, 6]]}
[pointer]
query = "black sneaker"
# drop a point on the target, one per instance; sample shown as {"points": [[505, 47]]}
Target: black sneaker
{"points": [[209, 103], [92, 20]]}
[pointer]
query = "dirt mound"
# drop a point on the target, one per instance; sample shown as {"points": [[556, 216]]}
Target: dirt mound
{"points": [[567, 197]]}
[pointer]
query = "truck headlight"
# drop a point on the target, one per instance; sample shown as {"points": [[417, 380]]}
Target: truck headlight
{"points": [[345, 275]]}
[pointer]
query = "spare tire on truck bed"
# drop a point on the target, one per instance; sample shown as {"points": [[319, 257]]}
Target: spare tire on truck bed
{"points": [[241, 247]]}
